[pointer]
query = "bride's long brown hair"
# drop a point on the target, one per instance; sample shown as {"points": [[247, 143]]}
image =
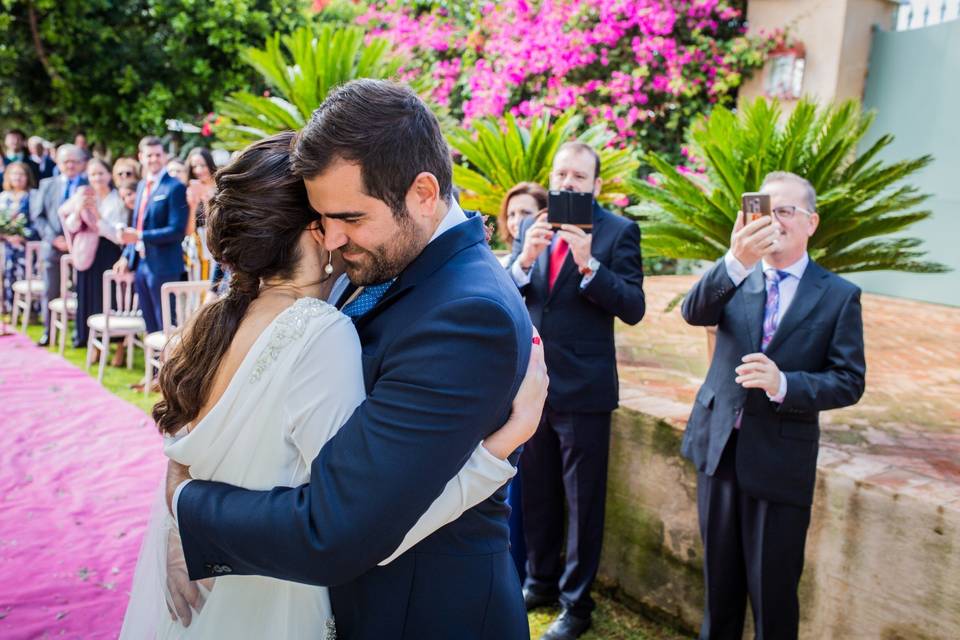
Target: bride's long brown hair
{"points": [[254, 224]]}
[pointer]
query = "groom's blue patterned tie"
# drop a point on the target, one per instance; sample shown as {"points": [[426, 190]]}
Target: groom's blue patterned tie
{"points": [[367, 300]]}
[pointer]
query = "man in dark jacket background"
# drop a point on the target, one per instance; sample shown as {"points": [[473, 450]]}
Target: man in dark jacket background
{"points": [[575, 284]]}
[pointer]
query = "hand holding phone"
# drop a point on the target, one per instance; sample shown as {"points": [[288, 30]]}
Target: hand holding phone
{"points": [[570, 207], [754, 234]]}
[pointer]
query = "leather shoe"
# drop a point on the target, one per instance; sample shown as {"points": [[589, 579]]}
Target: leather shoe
{"points": [[535, 600], [567, 626], [44, 340]]}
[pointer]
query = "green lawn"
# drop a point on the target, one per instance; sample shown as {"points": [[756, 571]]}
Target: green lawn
{"points": [[612, 620]]}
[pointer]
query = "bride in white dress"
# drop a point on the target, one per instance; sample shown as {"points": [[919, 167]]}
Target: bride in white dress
{"points": [[262, 379]]}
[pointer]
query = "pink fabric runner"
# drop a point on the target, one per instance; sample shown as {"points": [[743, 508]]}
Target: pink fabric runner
{"points": [[79, 469]]}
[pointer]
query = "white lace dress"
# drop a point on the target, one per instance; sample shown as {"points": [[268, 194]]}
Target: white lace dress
{"points": [[298, 384]]}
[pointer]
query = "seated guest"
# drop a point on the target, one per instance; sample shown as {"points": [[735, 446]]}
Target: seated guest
{"points": [[789, 345], [40, 157], [93, 222], [45, 216], [524, 200], [177, 169], [15, 202], [153, 246]]}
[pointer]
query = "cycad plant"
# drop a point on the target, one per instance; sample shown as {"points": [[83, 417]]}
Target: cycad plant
{"points": [[301, 69], [860, 199], [497, 154]]}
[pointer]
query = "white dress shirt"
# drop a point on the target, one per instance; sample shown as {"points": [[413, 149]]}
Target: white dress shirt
{"points": [[788, 290]]}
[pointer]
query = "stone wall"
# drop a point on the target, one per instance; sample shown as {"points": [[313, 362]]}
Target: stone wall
{"points": [[879, 564], [883, 550]]}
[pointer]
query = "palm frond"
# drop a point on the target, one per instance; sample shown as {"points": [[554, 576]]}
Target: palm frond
{"points": [[863, 201]]}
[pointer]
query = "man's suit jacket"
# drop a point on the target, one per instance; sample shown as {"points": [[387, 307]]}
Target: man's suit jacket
{"points": [[444, 353], [818, 345], [163, 227], [45, 213], [577, 324]]}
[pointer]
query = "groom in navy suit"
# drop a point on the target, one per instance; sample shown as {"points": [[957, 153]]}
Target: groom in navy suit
{"points": [[446, 341]]}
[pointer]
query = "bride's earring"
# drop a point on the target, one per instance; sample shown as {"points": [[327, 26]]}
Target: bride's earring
{"points": [[329, 268]]}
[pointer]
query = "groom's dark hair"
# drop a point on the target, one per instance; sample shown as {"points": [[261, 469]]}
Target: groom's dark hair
{"points": [[384, 127]]}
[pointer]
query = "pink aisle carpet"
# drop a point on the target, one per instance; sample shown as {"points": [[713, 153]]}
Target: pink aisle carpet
{"points": [[79, 469]]}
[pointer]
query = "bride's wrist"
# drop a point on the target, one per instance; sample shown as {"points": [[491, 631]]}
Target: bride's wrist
{"points": [[499, 445]]}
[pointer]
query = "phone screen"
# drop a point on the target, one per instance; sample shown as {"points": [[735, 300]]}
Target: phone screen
{"points": [[755, 205]]}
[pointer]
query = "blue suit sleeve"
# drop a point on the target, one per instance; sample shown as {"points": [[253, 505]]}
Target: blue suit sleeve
{"points": [[704, 304], [177, 216], [618, 287], [444, 386]]}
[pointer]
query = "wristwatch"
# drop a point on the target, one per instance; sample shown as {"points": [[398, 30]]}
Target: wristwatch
{"points": [[592, 265]]}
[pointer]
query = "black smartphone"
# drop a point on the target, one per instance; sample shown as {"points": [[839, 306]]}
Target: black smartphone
{"points": [[570, 207], [755, 205]]}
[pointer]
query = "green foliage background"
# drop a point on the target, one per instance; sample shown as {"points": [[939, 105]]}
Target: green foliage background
{"points": [[119, 69]]}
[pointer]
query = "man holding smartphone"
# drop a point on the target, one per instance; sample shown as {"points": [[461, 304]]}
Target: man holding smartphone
{"points": [[575, 283], [789, 345]]}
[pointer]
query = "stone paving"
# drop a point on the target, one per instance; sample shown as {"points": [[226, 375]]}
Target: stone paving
{"points": [[903, 436]]}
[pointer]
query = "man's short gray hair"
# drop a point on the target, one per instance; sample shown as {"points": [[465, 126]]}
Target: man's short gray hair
{"points": [[785, 176], [70, 149]]}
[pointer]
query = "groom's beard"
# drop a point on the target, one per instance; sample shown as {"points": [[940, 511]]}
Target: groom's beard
{"points": [[385, 262]]}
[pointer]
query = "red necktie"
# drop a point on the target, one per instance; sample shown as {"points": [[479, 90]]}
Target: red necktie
{"points": [[143, 206], [557, 255]]}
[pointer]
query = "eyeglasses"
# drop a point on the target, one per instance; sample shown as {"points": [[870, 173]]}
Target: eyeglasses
{"points": [[789, 211]]}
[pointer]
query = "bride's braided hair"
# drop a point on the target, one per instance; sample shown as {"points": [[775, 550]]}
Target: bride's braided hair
{"points": [[254, 224]]}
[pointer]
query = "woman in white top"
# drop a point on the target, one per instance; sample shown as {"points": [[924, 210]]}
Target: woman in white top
{"points": [[93, 220], [262, 378]]}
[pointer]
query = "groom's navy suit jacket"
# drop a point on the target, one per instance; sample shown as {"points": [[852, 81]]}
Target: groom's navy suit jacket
{"points": [[444, 353]]}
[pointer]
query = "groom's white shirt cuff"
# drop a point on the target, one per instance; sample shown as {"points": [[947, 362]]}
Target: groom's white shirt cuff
{"points": [[176, 497]]}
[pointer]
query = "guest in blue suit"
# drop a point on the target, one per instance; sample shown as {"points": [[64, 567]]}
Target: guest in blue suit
{"points": [[446, 340], [153, 248]]}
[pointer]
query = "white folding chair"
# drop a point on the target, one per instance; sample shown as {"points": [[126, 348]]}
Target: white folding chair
{"points": [[64, 308], [120, 318], [30, 288], [187, 299]]}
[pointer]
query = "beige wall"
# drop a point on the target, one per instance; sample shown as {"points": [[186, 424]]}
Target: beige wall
{"points": [[837, 36]]}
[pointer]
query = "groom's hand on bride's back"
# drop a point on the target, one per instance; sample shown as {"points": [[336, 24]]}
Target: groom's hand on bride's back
{"points": [[176, 475], [527, 407]]}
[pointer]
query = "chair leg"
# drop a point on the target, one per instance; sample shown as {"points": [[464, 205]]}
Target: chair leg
{"points": [[105, 347], [129, 352], [13, 312], [91, 340], [63, 334], [54, 325], [148, 369]]}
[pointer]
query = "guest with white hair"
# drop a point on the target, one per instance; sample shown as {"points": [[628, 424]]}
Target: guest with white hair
{"points": [[44, 214]]}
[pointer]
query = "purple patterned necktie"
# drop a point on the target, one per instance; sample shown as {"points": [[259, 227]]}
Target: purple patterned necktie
{"points": [[771, 310]]}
